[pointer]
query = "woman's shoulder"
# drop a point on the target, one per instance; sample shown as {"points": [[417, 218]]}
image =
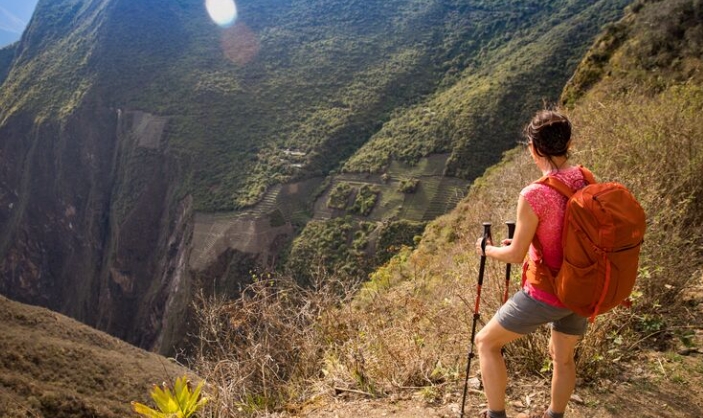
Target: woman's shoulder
{"points": [[533, 188], [572, 176], [534, 192]]}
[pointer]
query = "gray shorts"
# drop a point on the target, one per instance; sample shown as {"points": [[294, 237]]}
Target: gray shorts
{"points": [[523, 314]]}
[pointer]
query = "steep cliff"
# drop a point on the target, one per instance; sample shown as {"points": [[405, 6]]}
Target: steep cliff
{"points": [[91, 227]]}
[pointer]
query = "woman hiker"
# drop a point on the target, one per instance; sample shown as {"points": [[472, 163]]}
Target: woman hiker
{"points": [[540, 216]]}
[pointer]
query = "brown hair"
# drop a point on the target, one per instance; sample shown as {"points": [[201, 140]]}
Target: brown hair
{"points": [[550, 134]]}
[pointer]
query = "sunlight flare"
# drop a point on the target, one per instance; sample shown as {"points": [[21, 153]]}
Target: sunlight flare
{"points": [[222, 12]]}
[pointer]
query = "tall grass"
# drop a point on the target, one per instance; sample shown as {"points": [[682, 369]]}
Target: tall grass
{"points": [[651, 144], [266, 349]]}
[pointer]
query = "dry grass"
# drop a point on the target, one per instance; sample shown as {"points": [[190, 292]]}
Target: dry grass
{"points": [[409, 326], [266, 349], [53, 366]]}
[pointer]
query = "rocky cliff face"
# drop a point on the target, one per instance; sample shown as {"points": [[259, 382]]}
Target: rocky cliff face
{"points": [[66, 244], [95, 222], [56, 189]]}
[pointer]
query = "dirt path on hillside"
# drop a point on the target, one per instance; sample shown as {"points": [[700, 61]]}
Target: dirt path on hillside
{"points": [[674, 391], [654, 384]]}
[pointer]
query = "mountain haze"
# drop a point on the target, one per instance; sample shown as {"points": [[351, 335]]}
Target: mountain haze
{"points": [[144, 150]]}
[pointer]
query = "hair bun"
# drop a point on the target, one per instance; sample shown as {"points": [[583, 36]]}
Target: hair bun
{"points": [[550, 133]]}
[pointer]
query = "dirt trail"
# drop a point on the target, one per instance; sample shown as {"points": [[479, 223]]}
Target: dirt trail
{"points": [[653, 384], [642, 397]]}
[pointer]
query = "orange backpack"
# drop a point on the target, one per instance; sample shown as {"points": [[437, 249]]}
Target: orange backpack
{"points": [[604, 228]]}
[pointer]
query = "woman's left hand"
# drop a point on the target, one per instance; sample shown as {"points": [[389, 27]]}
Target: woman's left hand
{"points": [[479, 250]]}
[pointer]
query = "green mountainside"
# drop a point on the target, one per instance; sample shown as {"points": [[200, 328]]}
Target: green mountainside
{"points": [[146, 152], [643, 50], [477, 116], [320, 77]]}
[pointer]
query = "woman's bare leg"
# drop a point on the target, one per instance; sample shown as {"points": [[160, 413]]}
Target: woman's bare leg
{"points": [[561, 349], [494, 375]]}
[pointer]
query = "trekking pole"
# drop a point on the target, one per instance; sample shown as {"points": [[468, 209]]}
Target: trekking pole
{"points": [[481, 269], [511, 232]]}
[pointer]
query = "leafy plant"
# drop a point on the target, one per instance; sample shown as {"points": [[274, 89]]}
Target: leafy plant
{"points": [[181, 403], [408, 185]]}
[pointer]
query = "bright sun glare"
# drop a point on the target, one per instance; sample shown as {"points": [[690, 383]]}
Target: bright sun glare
{"points": [[222, 12]]}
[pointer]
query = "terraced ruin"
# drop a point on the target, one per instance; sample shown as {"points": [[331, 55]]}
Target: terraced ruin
{"points": [[284, 208]]}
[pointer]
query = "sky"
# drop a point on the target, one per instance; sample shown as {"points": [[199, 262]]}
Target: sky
{"points": [[14, 16]]}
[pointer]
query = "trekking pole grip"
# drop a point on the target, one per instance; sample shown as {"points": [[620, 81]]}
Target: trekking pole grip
{"points": [[482, 264], [486, 236], [511, 228]]}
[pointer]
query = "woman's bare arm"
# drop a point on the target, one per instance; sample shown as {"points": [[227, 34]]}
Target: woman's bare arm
{"points": [[513, 251]]}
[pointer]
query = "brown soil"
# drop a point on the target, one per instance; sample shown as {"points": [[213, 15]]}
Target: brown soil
{"points": [[657, 385]]}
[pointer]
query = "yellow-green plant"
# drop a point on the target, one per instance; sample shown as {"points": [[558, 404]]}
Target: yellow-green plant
{"points": [[181, 403]]}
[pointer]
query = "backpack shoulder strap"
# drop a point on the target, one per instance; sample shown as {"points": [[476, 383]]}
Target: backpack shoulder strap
{"points": [[562, 188], [587, 175]]}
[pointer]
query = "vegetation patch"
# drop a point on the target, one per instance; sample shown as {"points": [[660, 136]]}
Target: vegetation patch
{"points": [[365, 200], [339, 196], [408, 185]]}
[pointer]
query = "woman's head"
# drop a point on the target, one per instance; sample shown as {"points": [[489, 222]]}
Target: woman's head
{"points": [[549, 133]]}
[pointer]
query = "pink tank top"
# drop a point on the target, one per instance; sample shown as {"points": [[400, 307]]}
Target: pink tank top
{"points": [[549, 205]]}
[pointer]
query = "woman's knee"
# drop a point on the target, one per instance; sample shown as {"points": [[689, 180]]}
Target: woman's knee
{"points": [[484, 342], [562, 359], [562, 354], [493, 337]]}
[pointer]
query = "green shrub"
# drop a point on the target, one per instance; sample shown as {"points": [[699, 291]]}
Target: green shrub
{"points": [[365, 200], [339, 196], [394, 235], [408, 185]]}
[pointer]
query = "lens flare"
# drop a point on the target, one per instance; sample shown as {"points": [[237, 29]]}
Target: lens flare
{"points": [[222, 12], [239, 44]]}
